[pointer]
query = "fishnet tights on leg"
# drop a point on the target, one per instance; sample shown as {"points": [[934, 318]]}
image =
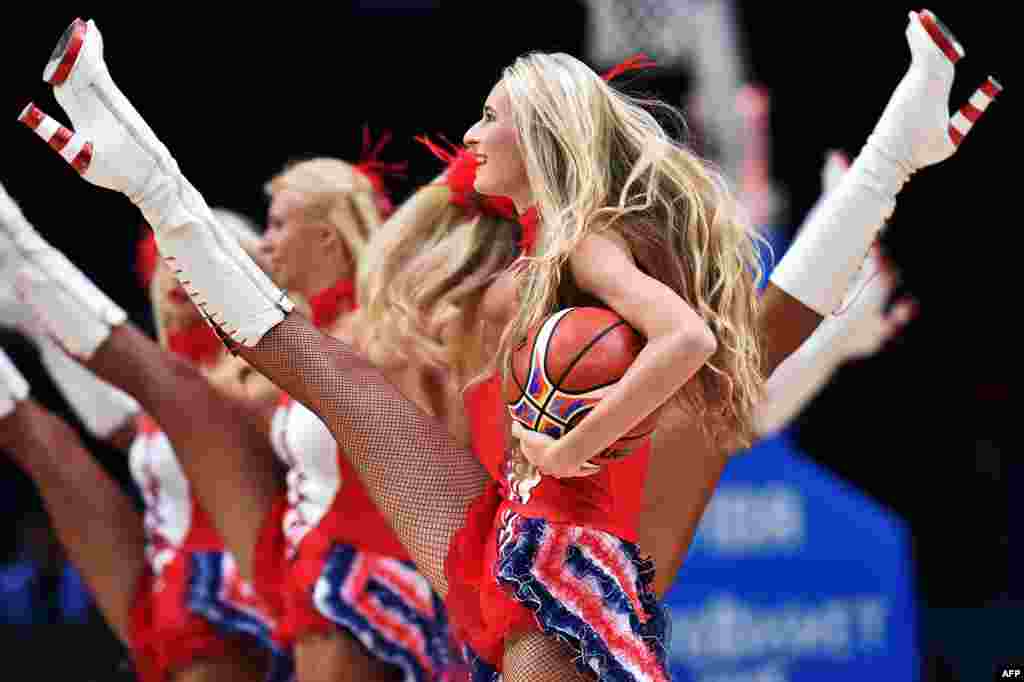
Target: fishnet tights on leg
{"points": [[420, 478], [536, 657]]}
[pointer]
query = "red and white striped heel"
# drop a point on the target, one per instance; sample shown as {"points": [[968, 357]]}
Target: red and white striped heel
{"points": [[65, 54], [108, 142], [74, 148], [941, 36], [962, 121], [916, 129], [111, 146]]}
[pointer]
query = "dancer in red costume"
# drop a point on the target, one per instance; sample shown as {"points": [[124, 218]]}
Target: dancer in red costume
{"points": [[423, 282], [104, 536], [340, 585], [426, 290], [400, 453], [162, 578], [353, 601], [192, 569]]}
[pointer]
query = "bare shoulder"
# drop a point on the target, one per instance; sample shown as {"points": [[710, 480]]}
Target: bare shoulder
{"points": [[606, 240], [604, 259]]}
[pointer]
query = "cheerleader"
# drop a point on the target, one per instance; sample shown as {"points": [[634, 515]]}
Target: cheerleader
{"points": [[683, 276], [162, 578], [353, 602]]}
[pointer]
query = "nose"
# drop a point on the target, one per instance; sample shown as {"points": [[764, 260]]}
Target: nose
{"points": [[266, 242], [263, 255], [470, 138]]}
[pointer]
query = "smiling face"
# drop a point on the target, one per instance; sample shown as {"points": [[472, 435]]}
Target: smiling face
{"points": [[495, 141]]}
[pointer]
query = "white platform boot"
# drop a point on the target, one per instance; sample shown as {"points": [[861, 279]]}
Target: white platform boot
{"points": [[111, 146], [915, 131]]}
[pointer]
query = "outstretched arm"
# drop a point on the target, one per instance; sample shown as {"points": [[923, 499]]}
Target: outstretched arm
{"points": [[860, 327]]}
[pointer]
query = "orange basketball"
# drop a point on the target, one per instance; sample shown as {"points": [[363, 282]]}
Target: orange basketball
{"points": [[566, 365]]}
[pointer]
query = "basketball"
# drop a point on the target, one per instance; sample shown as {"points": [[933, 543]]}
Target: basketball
{"points": [[565, 366]]}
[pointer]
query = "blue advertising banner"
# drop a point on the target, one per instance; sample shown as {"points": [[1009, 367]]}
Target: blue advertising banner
{"points": [[794, 576]]}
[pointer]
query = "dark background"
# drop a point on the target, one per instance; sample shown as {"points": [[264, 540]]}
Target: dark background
{"points": [[923, 427]]}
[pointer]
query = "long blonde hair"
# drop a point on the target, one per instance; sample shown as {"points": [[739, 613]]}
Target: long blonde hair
{"points": [[331, 189], [422, 277], [597, 159]]}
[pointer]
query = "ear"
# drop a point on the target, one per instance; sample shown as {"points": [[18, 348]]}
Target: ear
{"points": [[327, 235]]}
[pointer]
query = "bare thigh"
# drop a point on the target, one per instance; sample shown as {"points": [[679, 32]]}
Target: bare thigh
{"points": [[337, 656], [247, 662]]}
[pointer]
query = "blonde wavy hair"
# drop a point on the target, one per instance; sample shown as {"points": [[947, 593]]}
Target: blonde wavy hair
{"points": [[597, 159], [422, 277], [334, 189]]}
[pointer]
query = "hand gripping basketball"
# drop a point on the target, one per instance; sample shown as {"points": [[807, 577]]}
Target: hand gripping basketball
{"points": [[560, 373], [542, 452]]}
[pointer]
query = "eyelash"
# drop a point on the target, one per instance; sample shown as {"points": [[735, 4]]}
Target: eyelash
{"points": [[489, 116]]}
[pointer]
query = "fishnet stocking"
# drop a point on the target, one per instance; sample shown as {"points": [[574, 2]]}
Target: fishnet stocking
{"points": [[420, 478], [535, 657]]}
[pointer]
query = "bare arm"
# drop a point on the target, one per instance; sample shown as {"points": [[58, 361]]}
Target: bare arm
{"points": [[678, 345]]}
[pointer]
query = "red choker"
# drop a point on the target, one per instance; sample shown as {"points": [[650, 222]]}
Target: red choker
{"points": [[529, 222], [197, 342], [461, 177], [330, 303]]}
